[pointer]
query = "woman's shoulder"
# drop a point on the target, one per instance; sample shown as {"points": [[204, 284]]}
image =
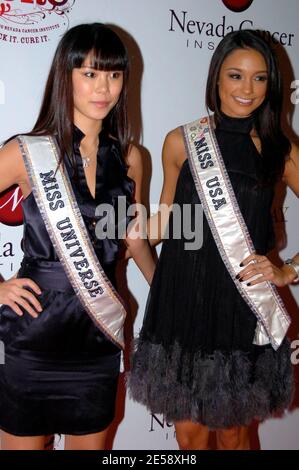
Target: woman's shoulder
{"points": [[174, 137], [174, 152], [10, 146], [12, 167], [134, 157], [134, 163]]}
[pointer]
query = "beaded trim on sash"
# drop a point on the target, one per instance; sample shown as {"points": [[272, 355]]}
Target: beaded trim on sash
{"points": [[229, 229], [57, 204]]}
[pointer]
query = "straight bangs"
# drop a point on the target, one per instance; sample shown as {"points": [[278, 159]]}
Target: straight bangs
{"points": [[106, 51], [105, 60]]}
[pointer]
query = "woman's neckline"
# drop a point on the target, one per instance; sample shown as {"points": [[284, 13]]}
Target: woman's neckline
{"points": [[240, 125]]}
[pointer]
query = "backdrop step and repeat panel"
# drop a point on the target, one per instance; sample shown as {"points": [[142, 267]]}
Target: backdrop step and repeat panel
{"points": [[170, 44]]}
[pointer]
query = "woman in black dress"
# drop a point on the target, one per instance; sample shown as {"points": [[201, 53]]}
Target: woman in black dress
{"points": [[61, 370], [197, 359]]}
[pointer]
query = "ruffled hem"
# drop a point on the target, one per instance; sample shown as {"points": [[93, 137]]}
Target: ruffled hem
{"points": [[220, 390]]}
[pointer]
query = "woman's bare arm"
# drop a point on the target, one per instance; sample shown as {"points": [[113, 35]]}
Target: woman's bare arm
{"points": [[173, 156]]}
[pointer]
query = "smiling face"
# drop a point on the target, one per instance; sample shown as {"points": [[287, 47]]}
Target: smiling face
{"points": [[95, 92], [242, 84]]}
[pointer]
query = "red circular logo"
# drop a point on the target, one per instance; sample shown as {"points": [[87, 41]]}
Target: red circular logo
{"points": [[10, 207], [237, 5]]}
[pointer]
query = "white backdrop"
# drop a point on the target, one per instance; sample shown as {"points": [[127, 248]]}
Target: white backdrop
{"points": [[170, 43]]}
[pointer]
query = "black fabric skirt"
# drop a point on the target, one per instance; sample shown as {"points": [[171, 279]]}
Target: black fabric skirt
{"points": [[60, 373]]}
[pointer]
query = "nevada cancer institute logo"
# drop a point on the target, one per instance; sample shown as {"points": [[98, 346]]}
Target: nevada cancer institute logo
{"points": [[237, 5], [33, 21], [10, 207]]}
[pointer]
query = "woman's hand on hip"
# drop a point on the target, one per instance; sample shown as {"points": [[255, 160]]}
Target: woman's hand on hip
{"points": [[15, 294], [259, 269]]}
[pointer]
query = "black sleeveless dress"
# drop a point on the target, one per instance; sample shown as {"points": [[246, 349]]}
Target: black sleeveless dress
{"points": [[60, 372], [195, 359]]}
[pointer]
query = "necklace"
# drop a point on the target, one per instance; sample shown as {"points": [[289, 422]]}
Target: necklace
{"points": [[86, 160]]}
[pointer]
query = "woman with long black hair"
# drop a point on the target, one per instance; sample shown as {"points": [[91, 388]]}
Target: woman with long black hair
{"points": [[212, 352], [62, 319]]}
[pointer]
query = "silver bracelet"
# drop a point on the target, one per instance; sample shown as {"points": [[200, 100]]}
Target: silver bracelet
{"points": [[295, 266]]}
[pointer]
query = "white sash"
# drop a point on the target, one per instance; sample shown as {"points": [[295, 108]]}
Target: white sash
{"points": [[58, 206], [229, 229]]}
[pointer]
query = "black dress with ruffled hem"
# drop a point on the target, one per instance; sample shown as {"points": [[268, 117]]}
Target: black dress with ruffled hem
{"points": [[61, 373], [195, 357]]}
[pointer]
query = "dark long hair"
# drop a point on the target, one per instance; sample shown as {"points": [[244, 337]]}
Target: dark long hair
{"points": [[56, 113], [275, 147]]}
